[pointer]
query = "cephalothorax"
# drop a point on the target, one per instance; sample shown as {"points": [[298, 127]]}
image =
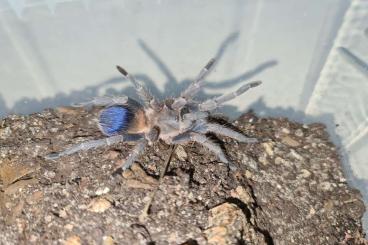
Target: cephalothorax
{"points": [[176, 121]]}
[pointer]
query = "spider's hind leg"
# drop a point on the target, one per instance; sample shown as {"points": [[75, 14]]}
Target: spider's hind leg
{"points": [[224, 131], [137, 150], [104, 101], [203, 140], [93, 144]]}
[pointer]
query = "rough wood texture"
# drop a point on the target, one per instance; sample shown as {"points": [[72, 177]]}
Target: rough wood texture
{"points": [[289, 189]]}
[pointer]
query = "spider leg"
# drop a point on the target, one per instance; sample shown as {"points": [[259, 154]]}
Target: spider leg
{"points": [[225, 131], [203, 140], [194, 87], [198, 115], [94, 144], [142, 91], [104, 101], [214, 103], [137, 150]]}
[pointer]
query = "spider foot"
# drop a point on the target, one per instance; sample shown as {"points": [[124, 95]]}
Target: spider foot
{"points": [[232, 166], [52, 156], [250, 140]]}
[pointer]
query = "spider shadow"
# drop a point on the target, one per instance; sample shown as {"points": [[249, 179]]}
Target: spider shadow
{"points": [[172, 86]]}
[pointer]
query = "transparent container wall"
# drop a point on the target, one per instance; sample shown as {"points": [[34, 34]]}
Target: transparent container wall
{"points": [[311, 56]]}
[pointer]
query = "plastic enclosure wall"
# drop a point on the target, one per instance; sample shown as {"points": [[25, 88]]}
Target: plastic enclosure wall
{"points": [[59, 52]]}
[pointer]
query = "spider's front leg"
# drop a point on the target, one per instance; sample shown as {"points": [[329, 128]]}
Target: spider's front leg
{"points": [[194, 87], [141, 90]]}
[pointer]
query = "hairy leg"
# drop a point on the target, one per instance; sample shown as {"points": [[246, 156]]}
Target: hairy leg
{"points": [[104, 101], [214, 103], [203, 140], [142, 91], [133, 155], [194, 87], [94, 144], [222, 130], [195, 115]]}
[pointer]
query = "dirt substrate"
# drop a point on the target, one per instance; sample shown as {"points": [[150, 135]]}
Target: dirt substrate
{"points": [[289, 188]]}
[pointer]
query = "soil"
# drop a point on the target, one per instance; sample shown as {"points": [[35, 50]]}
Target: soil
{"points": [[289, 188]]}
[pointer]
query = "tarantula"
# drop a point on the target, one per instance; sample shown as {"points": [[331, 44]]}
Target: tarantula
{"points": [[175, 121]]}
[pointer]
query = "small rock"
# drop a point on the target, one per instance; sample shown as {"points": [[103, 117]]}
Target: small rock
{"points": [[181, 153], [285, 162], [99, 205], [102, 191], [217, 235], [69, 227], [49, 174], [285, 130], [108, 240], [325, 186], [305, 173], [328, 205], [242, 194], [268, 146], [128, 174], [82, 206], [140, 176], [137, 170], [35, 197], [63, 214], [228, 225], [263, 159], [11, 172], [33, 238], [112, 154], [248, 174], [73, 240], [133, 183], [249, 162], [48, 218], [296, 155], [288, 140], [279, 161], [312, 212], [299, 132]]}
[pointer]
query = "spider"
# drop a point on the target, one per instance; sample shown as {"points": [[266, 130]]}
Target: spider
{"points": [[175, 120]]}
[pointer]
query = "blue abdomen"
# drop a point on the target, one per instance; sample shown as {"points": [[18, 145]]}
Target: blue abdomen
{"points": [[115, 119]]}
